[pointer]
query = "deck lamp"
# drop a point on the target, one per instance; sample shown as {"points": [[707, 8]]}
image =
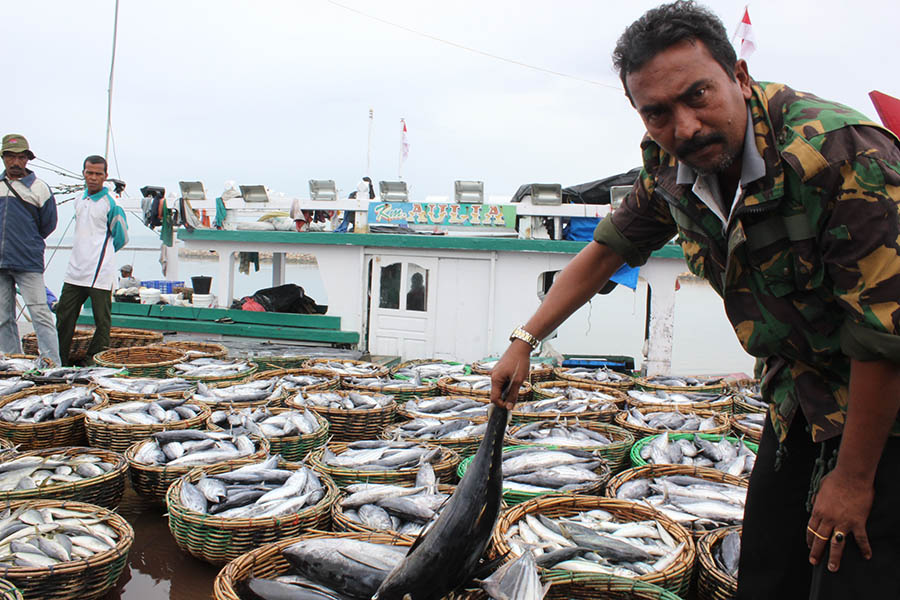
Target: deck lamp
{"points": [[153, 191], [192, 190], [393, 191], [546, 194], [254, 193], [322, 190], [468, 192]]}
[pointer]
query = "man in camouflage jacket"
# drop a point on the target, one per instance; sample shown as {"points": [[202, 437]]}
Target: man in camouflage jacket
{"points": [[787, 205]]}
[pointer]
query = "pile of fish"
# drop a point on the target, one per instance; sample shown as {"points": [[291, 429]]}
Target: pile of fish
{"points": [[430, 371], [695, 503], [259, 490], [595, 541], [569, 400], [379, 384], [48, 536], [381, 455], [295, 381], [560, 433], [446, 407], [264, 423], [39, 408], [752, 420], [343, 401], [539, 470], [347, 368], [426, 428], [11, 385], [164, 410], [488, 365], [77, 373], [733, 458], [17, 364], [30, 472], [405, 510], [143, 385], [638, 397], [727, 553], [753, 397], [211, 367], [671, 421], [600, 374], [672, 381], [192, 447], [480, 383], [264, 390]]}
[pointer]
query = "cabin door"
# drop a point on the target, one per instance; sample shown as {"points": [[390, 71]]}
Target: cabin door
{"points": [[402, 306]]}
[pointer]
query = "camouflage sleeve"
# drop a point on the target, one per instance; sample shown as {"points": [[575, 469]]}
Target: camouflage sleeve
{"points": [[860, 243]]}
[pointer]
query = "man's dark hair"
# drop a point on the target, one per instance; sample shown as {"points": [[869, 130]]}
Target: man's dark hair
{"points": [[95, 160], [667, 25]]}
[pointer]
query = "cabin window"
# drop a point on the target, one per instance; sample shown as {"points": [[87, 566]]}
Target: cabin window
{"points": [[417, 286], [390, 286]]}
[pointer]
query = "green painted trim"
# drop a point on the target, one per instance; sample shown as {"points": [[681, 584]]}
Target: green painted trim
{"points": [[389, 240], [164, 311], [236, 329], [129, 308]]}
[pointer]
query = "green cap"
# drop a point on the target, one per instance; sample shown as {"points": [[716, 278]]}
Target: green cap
{"points": [[13, 142]]}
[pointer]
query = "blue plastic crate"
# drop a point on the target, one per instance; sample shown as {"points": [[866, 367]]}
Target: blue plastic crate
{"points": [[163, 285]]}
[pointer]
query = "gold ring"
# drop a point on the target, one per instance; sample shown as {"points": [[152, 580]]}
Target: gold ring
{"points": [[818, 535], [838, 537]]}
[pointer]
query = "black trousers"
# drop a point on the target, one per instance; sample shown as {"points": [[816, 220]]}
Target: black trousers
{"points": [[68, 308], [774, 556]]}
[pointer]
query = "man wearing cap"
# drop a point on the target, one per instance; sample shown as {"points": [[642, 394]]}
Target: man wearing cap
{"points": [[126, 280], [27, 217]]}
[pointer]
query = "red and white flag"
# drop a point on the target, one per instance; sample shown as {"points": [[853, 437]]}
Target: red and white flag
{"points": [[744, 32], [404, 143]]}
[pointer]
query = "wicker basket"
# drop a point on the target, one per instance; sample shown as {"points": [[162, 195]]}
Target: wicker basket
{"points": [[216, 540], [675, 578], [444, 469], [8, 591], [716, 402], [712, 582], [447, 388], [267, 561], [353, 424], [512, 497], [103, 490], [239, 377], [118, 437], [640, 431], [541, 369], [637, 461], [319, 363], [81, 340], [425, 361], [563, 373], [293, 448], [67, 431], [152, 481], [462, 446], [141, 361], [125, 337], [605, 414], [645, 384], [226, 404], [426, 390], [198, 349], [84, 579], [403, 413], [343, 523], [615, 454], [744, 430], [116, 397], [566, 585], [4, 374]]}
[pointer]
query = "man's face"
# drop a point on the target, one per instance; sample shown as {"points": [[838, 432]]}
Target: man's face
{"points": [[14, 163], [691, 107], [94, 176]]}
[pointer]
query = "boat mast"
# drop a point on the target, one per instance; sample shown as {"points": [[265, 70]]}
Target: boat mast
{"points": [[369, 151], [112, 69]]}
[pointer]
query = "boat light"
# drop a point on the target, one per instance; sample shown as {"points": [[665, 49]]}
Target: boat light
{"points": [[468, 192], [546, 194], [192, 190], [254, 193], [322, 189], [393, 191]]}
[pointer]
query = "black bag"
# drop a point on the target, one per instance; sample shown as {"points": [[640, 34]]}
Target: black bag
{"points": [[289, 298]]}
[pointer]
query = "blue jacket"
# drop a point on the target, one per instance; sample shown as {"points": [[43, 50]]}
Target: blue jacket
{"points": [[23, 226]]}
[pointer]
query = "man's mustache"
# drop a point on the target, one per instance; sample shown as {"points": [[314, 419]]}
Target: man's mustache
{"points": [[698, 142]]}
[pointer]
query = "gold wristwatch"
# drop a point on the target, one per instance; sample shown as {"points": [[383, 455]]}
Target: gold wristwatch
{"points": [[519, 333]]}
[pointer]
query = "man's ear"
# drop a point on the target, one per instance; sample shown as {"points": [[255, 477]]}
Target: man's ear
{"points": [[742, 75]]}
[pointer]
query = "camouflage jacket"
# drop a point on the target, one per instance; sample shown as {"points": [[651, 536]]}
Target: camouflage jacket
{"points": [[809, 265]]}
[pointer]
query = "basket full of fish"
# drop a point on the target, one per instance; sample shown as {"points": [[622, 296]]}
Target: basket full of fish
{"points": [[460, 434], [82, 474], [749, 425], [476, 385], [47, 416], [117, 426], [653, 420], [63, 550], [383, 461], [428, 369], [531, 471], [570, 399], [589, 534], [540, 369], [351, 415], [348, 368], [11, 385], [401, 389], [718, 554], [141, 361], [569, 585], [727, 454], [715, 401], [213, 370], [749, 400], [599, 375], [218, 513], [154, 463], [14, 365], [125, 389], [687, 383], [291, 433], [697, 498], [197, 349], [445, 407], [277, 362], [301, 380], [610, 442], [239, 394]]}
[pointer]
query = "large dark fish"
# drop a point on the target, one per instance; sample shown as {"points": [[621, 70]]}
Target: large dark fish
{"points": [[447, 554]]}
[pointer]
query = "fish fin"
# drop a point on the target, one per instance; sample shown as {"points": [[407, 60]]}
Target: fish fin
{"points": [[487, 567], [419, 539]]}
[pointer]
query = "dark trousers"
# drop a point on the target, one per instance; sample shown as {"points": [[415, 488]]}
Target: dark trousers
{"points": [[68, 308], [774, 556]]}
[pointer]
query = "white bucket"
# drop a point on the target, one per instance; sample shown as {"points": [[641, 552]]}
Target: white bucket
{"points": [[204, 300], [150, 296]]}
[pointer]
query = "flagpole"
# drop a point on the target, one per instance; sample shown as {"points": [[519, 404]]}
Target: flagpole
{"points": [[369, 151], [112, 68], [400, 154]]}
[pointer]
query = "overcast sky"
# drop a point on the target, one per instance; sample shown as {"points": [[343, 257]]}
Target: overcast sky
{"points": [[278, 92]]}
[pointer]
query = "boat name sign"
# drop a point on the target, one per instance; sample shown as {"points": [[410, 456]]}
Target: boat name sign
{"points": [[422, 213]]}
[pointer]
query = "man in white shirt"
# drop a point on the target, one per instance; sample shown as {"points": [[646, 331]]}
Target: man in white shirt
{"points": [[92, 265], [127, 280]]}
